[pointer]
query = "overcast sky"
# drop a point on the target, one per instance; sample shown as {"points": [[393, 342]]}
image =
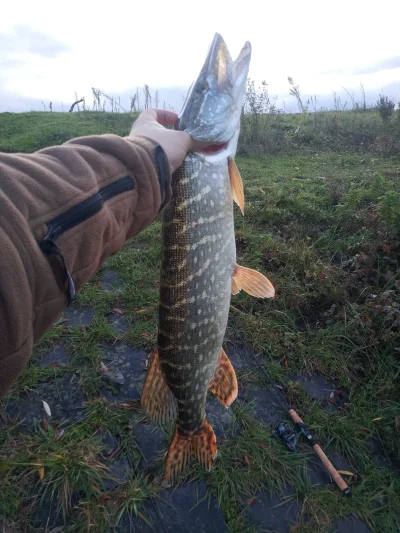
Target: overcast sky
{"points": [[48, 52]]}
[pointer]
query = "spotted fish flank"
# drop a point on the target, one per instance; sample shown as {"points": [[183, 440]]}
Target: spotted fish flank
{"points": [[199, 271]]}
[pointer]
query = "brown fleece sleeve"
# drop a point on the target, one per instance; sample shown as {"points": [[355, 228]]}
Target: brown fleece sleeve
{"points": [[55, 184]]}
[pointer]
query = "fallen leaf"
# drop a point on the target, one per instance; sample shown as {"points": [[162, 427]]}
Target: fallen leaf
{"points": [[346, 472], [286, 363], [251, 501], [60, 434], [376, 419], [246, 459], [104, 497], [363, 430], [45, 424], [118, 311], [46, 408], [40, 468]]}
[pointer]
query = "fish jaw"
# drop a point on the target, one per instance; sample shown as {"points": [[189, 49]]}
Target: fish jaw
{"points": [[212, 109]]}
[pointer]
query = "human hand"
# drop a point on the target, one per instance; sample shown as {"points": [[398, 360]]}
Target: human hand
{"points": [[176, 144]]}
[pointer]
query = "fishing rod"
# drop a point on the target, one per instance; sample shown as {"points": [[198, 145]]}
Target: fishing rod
{"points": [[287, 437]]}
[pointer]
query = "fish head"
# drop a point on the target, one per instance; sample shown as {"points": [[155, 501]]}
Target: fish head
{"points": [[212, 109]]}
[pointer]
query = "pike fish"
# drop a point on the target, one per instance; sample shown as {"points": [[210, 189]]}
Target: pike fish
{"points": [[198, 270]]}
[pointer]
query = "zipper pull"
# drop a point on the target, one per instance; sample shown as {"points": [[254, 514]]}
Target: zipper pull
{"points": [[49, 247]]}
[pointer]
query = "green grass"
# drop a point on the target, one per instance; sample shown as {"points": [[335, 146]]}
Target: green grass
{"points": [[325, 229]]}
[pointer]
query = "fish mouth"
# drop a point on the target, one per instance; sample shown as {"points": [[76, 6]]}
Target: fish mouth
{"points": [[214, 148]]}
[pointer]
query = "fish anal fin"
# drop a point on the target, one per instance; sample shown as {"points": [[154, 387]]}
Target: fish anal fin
{"points": [[252, 282], [237, 184], [202, 445], [224, 383], [157, 399]]}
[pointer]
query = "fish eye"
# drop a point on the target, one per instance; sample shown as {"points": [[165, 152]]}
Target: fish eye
{"points": [[202, 87]]}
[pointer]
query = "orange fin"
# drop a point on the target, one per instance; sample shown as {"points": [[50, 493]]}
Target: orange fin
{"points": [[252, 282], [202, 445], [237, 184], [157, 399], [224, 383]]}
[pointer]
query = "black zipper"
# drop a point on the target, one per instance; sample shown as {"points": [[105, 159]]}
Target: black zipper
{"points": [[76, 215]]}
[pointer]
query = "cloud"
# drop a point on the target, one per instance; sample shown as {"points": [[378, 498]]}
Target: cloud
{"points": [[390, 63], [385, 64], [10, 63], [27, 40]]}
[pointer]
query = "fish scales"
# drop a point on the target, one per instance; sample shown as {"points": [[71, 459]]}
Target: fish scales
{"points": [[199, 257]]}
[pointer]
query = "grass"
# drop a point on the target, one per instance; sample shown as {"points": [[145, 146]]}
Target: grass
{"points": [[323, 225]]}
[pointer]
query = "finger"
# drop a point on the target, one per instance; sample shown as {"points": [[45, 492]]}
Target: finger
{"points": [[162, 116]]}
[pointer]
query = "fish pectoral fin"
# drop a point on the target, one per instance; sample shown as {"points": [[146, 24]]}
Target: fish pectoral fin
{"points": [[237, 184], [224, 383], [252, 282], [202, 445], [157, 399]]}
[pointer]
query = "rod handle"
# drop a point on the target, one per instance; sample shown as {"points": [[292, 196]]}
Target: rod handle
{"points": [[340, 482]]}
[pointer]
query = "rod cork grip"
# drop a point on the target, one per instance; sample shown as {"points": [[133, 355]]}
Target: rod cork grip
{"points": [[340, 482], [295, 417]]}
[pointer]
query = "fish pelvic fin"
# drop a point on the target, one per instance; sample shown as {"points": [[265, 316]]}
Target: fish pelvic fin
{"points": [[236, 183], [224, 383], [252, 282], [202, 445], [157, 399]]}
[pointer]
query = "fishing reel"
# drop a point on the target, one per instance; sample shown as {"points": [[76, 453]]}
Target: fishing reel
{"points": [[286, 435]]}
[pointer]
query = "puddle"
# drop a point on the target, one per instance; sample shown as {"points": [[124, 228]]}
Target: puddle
{"points": [[264, 405], [275, 512], [79, 317], [111, 282], [58, 356], [220, 418], [128, 364], [63, 395], [186, 509]]}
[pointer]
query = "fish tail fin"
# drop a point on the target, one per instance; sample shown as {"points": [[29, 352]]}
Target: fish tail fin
{"points": [[224, 383], [202, 445], [252, 282], [157, 399]]}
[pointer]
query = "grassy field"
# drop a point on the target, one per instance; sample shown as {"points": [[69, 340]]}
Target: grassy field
{"points": [[324, 226]]}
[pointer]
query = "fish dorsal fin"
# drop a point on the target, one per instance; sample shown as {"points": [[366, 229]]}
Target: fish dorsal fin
{"points": [[237, 184], [201, 444], [252, 282], [157, 399], [224, 383]]}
